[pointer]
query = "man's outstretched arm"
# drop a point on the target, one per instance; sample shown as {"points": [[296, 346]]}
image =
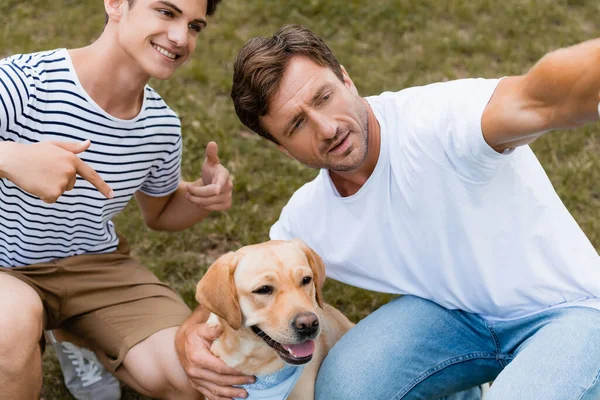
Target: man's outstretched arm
{"points": [[560, 91]]}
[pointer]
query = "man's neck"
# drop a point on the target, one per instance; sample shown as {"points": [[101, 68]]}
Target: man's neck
{"points": [[110, 77], [350, 182]]}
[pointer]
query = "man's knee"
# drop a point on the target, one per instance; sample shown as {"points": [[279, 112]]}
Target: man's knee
{"points": [[561, 360], [350, 372]]}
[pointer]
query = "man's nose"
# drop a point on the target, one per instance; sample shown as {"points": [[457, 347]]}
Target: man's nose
{"points": [[324, 125]]}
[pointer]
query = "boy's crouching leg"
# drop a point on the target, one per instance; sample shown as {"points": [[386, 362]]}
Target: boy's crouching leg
{"points": [[152, 368], [21, 326]]}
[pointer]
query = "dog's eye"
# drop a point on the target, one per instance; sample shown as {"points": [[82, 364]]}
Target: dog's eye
{"points": [[306, 280], [264, 290]]}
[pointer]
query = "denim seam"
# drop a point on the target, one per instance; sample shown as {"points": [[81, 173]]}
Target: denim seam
{"points": [[591, 386], [439, 367], [499, 356]]}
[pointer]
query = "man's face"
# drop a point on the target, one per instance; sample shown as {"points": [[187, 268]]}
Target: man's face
{"points": [[318, 119], [161, 34]]}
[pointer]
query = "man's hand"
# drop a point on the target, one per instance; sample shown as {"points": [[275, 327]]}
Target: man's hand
{"points": [[48, 169], [214, 191], [207, 373]]}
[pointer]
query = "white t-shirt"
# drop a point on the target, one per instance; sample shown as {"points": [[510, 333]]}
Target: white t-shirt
{"points": [[445, 217]]}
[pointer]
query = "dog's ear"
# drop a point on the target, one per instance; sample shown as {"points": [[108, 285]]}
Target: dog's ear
{"points": [[317, 266], [216, 290]]}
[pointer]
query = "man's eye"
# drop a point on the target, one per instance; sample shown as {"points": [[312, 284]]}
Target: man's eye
{"points": [[297, 125], [166, 13], [327, 97], [264, 290], [195, 27]]}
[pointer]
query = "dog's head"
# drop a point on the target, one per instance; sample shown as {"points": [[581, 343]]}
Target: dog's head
{"points": [[272, 288]]}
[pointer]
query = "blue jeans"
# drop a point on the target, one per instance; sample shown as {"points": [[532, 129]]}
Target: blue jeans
{"points": [[412, 348]]}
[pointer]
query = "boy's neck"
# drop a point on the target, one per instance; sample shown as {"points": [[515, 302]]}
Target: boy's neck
{"points": [[110, 77]]}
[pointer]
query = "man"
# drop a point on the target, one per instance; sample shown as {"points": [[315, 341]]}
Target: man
{"points": [[80, 134], [432, 192]]}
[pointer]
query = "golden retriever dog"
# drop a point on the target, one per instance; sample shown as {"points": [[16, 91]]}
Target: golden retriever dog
{"points": [[267, 297]]}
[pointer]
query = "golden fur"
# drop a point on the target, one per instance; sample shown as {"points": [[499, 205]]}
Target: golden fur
{"points": [[229, 291]]}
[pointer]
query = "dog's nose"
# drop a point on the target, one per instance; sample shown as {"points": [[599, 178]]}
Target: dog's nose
{"points": [[306, 323]]}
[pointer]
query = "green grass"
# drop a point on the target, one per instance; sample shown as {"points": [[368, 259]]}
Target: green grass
{"points": [[384, 45]]}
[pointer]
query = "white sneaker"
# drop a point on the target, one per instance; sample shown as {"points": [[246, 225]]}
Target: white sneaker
{"points": [[85, 377]]}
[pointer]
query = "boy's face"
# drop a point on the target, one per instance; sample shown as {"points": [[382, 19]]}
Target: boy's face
{"points": [[318, 119], [160, 34]]}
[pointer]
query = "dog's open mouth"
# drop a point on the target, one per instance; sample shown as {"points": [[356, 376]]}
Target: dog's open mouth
{"points": [[295, 354]]}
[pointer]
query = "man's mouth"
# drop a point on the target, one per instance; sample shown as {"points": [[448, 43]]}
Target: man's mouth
{"points": [[341, 143], [295, 354], [165, 52]]}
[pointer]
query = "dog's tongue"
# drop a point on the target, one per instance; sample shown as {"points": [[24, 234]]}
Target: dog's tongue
{"points": [[301, 350]]}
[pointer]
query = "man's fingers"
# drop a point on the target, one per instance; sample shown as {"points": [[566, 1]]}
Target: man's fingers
{"points": [[212, 153], [208, 332], [220, 380], [219, 392], [208, 395], [73, 147], [88, 173], [209, 366]]}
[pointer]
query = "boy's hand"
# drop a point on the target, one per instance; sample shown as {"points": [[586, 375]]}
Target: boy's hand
{"points": [[214, 191], [48, 169]]}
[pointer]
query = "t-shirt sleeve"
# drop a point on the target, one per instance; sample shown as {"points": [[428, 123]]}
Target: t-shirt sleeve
{"points": [[449, 127], [164, 178], [14, 96], [281, 230]]}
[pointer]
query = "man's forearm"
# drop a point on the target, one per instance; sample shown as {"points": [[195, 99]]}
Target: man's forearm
{"points": [[566, 82]]}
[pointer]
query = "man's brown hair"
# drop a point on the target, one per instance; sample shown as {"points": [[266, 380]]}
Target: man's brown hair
{"points": [[260, 65]]}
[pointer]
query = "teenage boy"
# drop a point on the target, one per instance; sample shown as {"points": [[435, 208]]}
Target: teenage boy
{"points": [[81, 133]]}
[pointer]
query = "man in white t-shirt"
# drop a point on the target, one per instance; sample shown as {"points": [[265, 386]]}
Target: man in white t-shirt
{"points": [[433, 193]]}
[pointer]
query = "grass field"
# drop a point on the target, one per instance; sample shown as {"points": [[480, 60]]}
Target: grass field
{"points": [[384, 45]]}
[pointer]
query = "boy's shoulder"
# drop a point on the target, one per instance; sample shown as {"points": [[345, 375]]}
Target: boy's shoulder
{"points": [[35, 60], [154, 101]]}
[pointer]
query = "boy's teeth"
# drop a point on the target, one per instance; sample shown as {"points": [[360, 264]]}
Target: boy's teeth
{"points": [[165, 52]]}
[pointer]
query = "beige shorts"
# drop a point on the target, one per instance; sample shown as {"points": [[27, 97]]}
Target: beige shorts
{"points": [[108, 300]]}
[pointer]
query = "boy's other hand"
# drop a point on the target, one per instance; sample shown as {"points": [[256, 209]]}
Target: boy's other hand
{"points": [[214, 190]]}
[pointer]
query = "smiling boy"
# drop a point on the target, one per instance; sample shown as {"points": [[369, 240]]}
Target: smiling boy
{"points": [[81, 133]]}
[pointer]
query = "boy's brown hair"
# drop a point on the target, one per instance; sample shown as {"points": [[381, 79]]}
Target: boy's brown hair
{"points": [[211, 7], [260, 65]]}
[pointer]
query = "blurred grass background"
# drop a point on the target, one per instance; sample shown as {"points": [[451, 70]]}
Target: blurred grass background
{"points": [[384, 45]]}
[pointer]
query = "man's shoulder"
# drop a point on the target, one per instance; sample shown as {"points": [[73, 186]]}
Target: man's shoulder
{"points": [[311, 192]]}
